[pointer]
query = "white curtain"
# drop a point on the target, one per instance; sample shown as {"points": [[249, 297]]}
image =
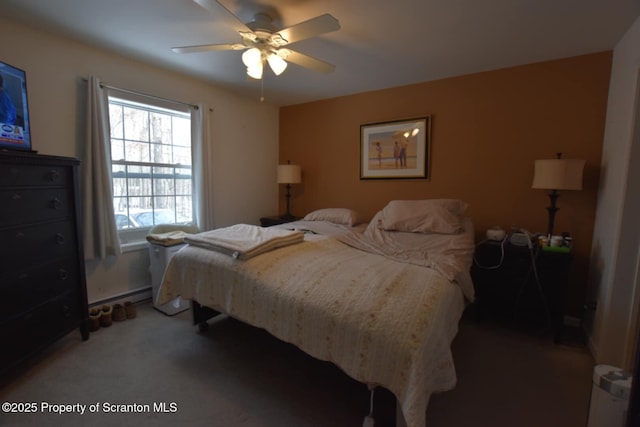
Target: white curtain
{"points": [[99, 228], [201, 161]]}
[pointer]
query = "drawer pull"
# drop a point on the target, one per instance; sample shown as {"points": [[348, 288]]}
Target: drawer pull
{"points": [[54, 175], [59, 238], [56, 203], [19, 235], [16, 196], [23, 276], [62, 274]]}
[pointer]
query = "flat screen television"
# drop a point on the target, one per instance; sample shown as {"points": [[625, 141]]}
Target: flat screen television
{"points": [[15, 133]]}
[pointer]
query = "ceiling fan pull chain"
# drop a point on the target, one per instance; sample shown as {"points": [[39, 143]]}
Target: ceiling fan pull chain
{"points": [[262, 89]]}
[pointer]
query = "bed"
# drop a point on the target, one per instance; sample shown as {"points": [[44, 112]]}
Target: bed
{"points": [[382, 300]]}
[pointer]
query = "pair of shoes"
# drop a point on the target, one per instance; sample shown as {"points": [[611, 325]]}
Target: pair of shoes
{"points": [[124, 312], [94, 319], [106, 312]]}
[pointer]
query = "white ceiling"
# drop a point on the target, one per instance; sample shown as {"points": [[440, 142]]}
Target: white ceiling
{"points": [[381, 43]]}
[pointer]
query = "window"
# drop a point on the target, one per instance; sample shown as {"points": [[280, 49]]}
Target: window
{"points": [[151, 166]]}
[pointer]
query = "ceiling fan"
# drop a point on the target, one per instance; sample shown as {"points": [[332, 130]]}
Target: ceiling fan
{"points": [[264, 43]]}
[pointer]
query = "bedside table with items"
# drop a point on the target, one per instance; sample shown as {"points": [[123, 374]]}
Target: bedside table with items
{"points": [[527, 285], [268, 221]]}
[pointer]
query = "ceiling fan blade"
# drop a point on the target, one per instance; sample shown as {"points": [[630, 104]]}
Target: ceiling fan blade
{"points": [[309, 62], [218, 8], [319, 25], [208, 47]]}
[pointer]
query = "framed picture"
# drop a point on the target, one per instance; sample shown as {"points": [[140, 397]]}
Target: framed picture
{"points": [[395, 150]]}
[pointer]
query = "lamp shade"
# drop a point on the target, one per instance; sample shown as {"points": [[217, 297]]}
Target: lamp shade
{"points": [[252, 57], [558, 174], [289, 174], [277, 64], [255, 71]]}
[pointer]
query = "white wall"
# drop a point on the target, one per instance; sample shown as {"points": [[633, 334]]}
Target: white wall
{"points": [[244, 131], [616, 239]]}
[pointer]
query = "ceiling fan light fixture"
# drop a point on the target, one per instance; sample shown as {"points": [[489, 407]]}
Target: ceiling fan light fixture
{"points": [[283, 53], [278, 40], [255, 71], [248, 35], [252, 58], [277, 64]]}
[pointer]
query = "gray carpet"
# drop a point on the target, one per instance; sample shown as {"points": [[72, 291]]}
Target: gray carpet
{"points": [[236, 375]]}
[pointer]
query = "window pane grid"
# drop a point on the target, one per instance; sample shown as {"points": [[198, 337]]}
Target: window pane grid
{"points": [[151, 165]]}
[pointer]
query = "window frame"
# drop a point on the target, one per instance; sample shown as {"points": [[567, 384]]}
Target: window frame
{"points": [[137, 236]]}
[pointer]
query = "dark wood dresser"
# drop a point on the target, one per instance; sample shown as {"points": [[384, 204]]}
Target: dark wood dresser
{"points": [[43, 293]]}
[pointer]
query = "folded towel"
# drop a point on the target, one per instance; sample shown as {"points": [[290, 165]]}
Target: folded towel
{"points": [[243, 241], [167, 239]]}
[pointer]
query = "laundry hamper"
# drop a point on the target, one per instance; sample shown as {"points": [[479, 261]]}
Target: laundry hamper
{"points": [[165, 241]]}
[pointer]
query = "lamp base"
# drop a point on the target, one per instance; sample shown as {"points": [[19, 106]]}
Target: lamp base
{"points": [[287, 215], [553, 197]]}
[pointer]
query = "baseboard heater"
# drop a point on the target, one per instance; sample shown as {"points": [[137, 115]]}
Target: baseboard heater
{"points": [[136, 295]]}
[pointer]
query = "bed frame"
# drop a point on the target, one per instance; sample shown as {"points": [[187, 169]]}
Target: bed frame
{"points": [[202, 313], [385, 407]]}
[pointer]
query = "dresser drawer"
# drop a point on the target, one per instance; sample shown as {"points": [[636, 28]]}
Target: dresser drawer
{"points": [[28, 245], [24, 288], [34, 175], [30, 332], [20, 207]]}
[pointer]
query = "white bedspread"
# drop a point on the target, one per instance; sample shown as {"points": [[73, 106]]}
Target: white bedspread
{"points": [[383, 322]]}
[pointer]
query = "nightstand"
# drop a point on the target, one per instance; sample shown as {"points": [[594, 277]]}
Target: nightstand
{"points": [[268, 221], [506, 285]]}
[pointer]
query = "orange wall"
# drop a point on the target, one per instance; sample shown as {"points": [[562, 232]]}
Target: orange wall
{"points": [[487, 129]]}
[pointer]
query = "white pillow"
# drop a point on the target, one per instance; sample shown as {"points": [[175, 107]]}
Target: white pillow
{"points": [[334, 215], [423, 216]]}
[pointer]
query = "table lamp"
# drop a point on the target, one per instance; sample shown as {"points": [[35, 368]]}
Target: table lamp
{"points": [[289, 174], [557, 174]]}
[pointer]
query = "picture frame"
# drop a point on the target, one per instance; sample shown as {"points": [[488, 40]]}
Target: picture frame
{"points": [[397, 149]]}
